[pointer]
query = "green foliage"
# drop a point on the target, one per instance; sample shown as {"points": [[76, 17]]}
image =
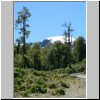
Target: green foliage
{"points": [[16, 87], [80, 67], [69, 70], [63, 84], [52, 85], [34, 54], [18, 72], [59, 91], [39, 73], [21, 25], [38, 89], [80, 49], [57, 56], [18, 60], [52, 57], [40, 82], [36, 73], [22, 88], [25, 94]]}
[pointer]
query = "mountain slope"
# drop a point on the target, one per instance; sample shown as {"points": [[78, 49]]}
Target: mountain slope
{"points": [[58, 38]]}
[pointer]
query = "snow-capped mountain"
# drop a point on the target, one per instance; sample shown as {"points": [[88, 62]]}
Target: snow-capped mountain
{"points": [[50, 40], [58, 38]]}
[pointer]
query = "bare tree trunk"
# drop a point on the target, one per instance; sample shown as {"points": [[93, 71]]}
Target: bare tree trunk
{"points": [[24, 46]]}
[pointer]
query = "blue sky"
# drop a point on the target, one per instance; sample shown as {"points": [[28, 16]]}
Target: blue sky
{"points": [[47, 19]]}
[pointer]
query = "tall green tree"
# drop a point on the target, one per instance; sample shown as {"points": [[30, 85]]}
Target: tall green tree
{"points": [[57, 56], [80, 49], [21, 25], [35, 56], [44, 57]]}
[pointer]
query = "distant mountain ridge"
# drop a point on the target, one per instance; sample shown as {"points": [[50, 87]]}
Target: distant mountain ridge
{"points": [[58, 38], [50, 40]]}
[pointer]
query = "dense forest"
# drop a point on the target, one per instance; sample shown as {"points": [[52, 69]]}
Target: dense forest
{"points": [[50, 57], [41, 61]]}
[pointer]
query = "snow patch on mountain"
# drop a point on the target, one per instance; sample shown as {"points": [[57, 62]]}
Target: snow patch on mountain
{"points": [[58, 38]]}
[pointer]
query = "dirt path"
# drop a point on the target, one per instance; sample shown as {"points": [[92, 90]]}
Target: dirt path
{"points": [[80, 76]]}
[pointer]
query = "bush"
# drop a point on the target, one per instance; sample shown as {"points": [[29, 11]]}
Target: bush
{"points": [[80, 67], [64, 85], [52, 86], [38, 73], [18, 81], [43, 73], [30, 81], [59, 91], [22, 88], [69, 70], [16, 87], [38, 89], [40, 82], [45, 79], [19, 72], [26, 93], [60, 70]]}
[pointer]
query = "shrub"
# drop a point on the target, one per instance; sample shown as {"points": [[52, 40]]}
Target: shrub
{"points": [[38, 89], [40, 82], [38, 73], [19, 72], [22, 88], [16, 74], [16, 87], [60, 70], [59, 91], [80, 67], [30, 81], [69, 70], [18, 81], [64, 85], [44, 78], [43, 90], [43, 73], [52, 86], [26, 93]]}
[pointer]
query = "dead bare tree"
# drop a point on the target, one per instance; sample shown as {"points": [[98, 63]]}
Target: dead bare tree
{"points": [[68, 39]]}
